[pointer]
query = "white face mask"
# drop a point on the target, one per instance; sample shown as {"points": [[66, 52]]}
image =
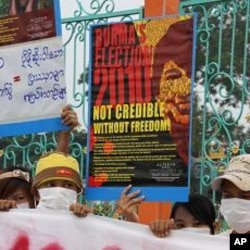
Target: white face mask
{"points": [[24, 205], [199, 230], [56, 198], [237, 214]]}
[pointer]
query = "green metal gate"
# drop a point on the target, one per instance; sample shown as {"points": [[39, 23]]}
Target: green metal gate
{"points": [[222, 87]]}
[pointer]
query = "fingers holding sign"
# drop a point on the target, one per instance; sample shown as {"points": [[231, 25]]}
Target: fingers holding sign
{"points": [[161, 228], [5, 205], [69, 117], [80, 210]]}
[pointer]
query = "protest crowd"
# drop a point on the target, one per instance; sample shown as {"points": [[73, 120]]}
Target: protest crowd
{"points": [[138, 149], [57, 184]]}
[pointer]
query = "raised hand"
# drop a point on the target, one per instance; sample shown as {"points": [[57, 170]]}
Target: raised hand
{"points": [[128, 203]]}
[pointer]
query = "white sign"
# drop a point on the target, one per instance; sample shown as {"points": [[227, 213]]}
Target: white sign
{"points": [[46, 230], [32, 86]]}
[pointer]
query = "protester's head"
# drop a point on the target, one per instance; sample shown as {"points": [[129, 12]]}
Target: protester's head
{"points": [[57, 179], [57, 170], [15, 184], [234, 185], [198, 213]]}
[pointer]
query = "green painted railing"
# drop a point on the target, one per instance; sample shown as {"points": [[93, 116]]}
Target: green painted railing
{"points": [[222, 87]]}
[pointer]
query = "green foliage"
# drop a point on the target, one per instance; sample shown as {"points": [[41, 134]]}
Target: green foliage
{"points": [[45, 4], [4, 7], [196, 128]]}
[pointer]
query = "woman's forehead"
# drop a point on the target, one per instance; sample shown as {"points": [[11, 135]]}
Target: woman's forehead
{"points": [[183, 213]]}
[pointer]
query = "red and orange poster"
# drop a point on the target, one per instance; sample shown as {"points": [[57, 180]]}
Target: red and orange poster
{"points": [[140, 108]]}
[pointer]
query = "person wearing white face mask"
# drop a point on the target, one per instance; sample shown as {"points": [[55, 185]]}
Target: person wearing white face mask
{"points": [[58, 182], [16, 182], [235, 187]]}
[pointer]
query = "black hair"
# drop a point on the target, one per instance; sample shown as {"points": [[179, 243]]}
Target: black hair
{"points": [[200, 207], [9, 185]]}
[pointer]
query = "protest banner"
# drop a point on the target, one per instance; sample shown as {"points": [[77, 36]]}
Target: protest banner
{"points": [[35, 229], [32, 77], [140, 108]]}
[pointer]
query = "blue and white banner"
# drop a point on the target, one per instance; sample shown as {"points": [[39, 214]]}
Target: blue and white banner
{"points": [[32, 75], [32, 87]]}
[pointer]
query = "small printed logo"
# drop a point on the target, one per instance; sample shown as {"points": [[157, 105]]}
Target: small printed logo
{"points": [[239, 241], [64, 172]]}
